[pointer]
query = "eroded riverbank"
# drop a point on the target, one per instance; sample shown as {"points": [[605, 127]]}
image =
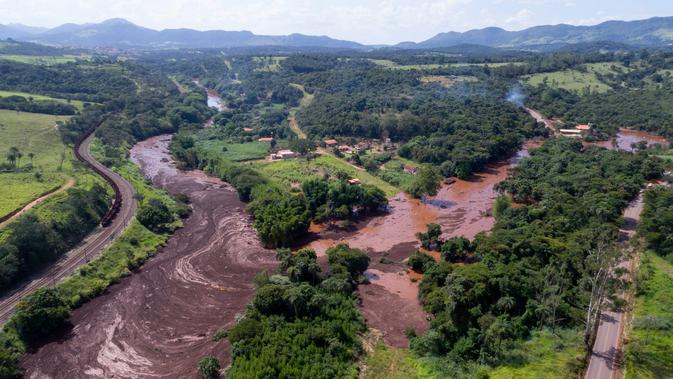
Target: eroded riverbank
{"points": [[158, 323]]}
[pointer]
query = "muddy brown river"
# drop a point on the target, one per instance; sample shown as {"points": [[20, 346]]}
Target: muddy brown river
{"points": [[158, 322]]}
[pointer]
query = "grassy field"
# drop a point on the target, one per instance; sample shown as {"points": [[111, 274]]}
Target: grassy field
{"points": [[393, 173], [42, 59], [387, 362], [571, 80], [269, 64], [235, 152], [392, 65], [650, 342], [36, 134], [76, 103], [290, 172], [544, 356]]}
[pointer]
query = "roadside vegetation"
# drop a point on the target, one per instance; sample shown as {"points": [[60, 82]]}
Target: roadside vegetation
{"points": [[499, 300]]}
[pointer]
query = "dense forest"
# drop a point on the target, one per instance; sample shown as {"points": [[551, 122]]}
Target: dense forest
{"points": [[534, 269], [302, 323], [657, 221]]}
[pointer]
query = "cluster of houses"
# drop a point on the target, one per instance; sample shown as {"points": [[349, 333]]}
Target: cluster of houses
{"points": [[359, 147], [578, 132]]}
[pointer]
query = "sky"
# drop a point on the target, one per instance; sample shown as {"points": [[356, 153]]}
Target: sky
{"points": [[365, 21]]}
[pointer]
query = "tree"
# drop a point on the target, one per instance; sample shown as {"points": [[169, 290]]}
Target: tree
{"points": [[12, 155], [300, 267], [39, 314], [426, 182], [31, 156], [354, 261], [602, 277], [155, 215], [430, 240], [209, 367]]}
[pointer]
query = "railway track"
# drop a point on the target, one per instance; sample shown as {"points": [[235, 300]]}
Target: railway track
{"points": [[113, 223]]}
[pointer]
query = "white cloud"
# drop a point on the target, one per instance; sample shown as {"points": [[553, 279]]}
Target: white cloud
{"points": [[368, 21], [521, 18]]}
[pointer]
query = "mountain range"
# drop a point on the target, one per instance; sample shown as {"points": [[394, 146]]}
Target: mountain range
{"points": [[120, 33]]}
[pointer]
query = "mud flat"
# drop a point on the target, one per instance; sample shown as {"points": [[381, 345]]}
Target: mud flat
{"points": [[390, 300], [158, 323], [626, 137]]}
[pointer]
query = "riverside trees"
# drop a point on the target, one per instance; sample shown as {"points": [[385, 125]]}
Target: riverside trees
{"points": [[557, 238]]}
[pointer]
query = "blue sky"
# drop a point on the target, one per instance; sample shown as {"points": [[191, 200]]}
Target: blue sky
{"points": [[366, 21]]}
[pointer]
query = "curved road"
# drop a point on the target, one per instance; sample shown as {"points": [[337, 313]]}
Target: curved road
{"points": [[89, 248]]}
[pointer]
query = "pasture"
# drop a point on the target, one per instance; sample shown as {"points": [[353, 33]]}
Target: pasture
{"points": [[76, 103], [33, 134]]}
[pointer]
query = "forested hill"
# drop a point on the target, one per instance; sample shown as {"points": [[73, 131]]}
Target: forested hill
{"points": [[655, 31]]}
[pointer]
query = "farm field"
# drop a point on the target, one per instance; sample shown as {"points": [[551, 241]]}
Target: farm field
{"points": [[648, 347], [571, 80], [236, 152], [77, 103], [42, 59], [269, 64], [392, 65], [36, 134], [293, 172]]}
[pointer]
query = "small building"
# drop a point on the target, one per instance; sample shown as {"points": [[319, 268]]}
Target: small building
{"points": [[583, 127], [409, 169], [344, 148], [330, 142], [247, 130], [286, 154], [354, 181], [363, 146], [573, 133], [265, 139]]}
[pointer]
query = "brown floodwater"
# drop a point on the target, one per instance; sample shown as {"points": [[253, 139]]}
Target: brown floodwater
{"points": [[461, 208], [159, 322], [626, 137]]}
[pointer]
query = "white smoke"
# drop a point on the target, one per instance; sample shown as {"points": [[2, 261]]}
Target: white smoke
{"points": [[516, 96]]}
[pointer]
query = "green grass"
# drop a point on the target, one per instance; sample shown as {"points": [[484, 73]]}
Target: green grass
{"points": [[605, 68], [235, 152], [545, 355], [394, 174], [76, 103], [31, 133], [296, 171], [129, 251], [269, 64], [392, 65], [648, 351], [43, 59], [387, 362], [571, 80]]}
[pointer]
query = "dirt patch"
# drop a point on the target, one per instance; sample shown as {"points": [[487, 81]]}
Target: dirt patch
{"points": [[159, 322], [626, 137]]}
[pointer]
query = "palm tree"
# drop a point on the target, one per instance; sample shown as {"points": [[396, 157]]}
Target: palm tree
{"points": [[31, 156]]}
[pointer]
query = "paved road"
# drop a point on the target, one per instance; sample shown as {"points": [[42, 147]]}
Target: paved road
{"points": [[91, 247], [604, 363]]}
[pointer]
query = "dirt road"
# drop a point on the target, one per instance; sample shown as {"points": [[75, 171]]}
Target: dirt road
{"points": [[159, 322], [604, 363], [67, 185], [539, 117], [92, 245]]}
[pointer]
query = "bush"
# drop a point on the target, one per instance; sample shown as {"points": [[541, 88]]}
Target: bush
{"points": [[39, 314], [155, 215], [209, 367], [420, 262]]}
